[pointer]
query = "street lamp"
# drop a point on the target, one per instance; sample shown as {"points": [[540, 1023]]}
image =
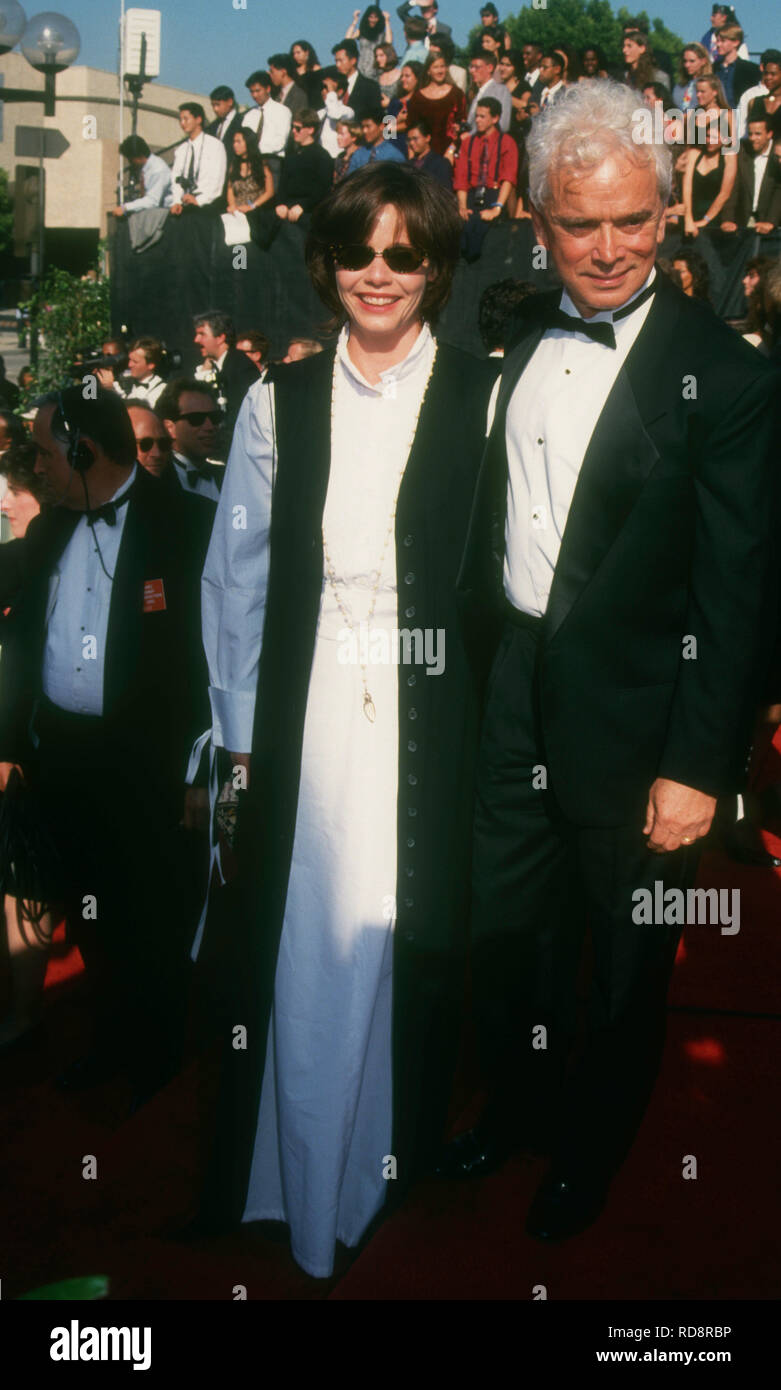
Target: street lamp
{"points": [[13, 21], [49, 42]]}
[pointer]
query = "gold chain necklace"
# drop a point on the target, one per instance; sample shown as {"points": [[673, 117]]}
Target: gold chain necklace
{"points": [[369, 707]]}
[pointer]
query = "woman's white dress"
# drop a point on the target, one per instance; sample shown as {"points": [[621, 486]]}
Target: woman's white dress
{"points": [[323, 1144]]}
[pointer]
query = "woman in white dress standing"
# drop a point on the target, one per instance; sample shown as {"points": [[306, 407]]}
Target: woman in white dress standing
{"points": [[340, 684]]}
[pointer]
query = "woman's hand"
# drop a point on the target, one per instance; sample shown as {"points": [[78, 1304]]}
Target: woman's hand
{"points": [[282, 211], [294, 213]]}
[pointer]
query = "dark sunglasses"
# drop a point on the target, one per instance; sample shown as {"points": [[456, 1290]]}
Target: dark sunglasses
{"points": [[162, 441], [402, 260], [197, 417]]}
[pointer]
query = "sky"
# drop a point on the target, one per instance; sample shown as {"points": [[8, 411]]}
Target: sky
{"points": [[206, 42]]}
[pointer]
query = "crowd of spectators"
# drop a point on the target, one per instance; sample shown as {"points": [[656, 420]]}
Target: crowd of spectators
{"points": [[388, 79]]}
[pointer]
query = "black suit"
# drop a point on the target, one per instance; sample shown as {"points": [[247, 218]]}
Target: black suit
{"points": [[365, 96], [295, 100], [668, 537], [746, 75], [110, 788], [234, 379], [740, 204], [233, 125]]}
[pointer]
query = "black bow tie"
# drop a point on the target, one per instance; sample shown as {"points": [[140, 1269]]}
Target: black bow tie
{"points": [[108, 512], [603, 331]]}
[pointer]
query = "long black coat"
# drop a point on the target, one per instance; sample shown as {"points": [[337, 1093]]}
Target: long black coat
{"points": [[438, 721]]}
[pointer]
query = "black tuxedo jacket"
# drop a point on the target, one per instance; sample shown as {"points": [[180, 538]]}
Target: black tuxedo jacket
{"points": [[738, 206], [364, 97], [155, 679], [230, 130], [234, 378], [670, 536]]}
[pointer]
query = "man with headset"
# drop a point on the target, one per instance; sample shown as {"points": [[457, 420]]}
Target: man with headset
{"points": [[102, 692]]}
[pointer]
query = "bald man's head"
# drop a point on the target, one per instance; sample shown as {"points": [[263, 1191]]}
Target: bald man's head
{"points": [[153, 443]]}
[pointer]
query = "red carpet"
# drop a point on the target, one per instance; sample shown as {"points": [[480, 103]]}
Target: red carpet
{"points": [[662, 1235]]}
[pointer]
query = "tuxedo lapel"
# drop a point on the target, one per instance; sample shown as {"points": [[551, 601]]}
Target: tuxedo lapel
{"points": [[123, 638], [620, 455]]}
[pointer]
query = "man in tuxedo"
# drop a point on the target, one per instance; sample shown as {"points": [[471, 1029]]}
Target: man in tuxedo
{"points": [[192, 417], [154, 444], [215, 335], [363, 95], [102, 690], [227, 119], [618, 584], [282, 71], [755, 200]]}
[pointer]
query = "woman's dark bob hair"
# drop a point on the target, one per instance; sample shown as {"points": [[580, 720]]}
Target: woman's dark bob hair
{"points": [[348, 214]]}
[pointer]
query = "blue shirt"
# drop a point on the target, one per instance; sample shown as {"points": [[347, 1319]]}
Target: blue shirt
{"points": [[385, 150], [158, 184], [78, 611]]}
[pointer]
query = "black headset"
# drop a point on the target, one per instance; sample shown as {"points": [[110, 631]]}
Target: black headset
{"points": [[80, 456]]}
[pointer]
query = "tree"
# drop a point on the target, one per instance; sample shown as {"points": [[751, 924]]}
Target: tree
{"points": [[584, 22], [71, 315], [6, 217]]}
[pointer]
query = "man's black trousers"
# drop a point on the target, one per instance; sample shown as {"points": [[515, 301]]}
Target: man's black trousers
{"points": [[540, 885]]}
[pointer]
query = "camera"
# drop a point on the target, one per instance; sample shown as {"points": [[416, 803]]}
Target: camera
{"points": [[92, 360]]}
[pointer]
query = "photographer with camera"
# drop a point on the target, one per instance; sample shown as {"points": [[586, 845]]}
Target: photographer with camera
{"points": [[200, 164], [145, 358], [485, 176]]}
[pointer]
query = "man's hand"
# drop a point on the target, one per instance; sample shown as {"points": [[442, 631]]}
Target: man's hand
{"points": [[294, 213], [176, 210], [764, 228], [196, 809], [676, 815], [465, 213], [5, 772], [116, 212], [105, 377], [191, 199], [490, 214], [729, 226], [282, 211]]}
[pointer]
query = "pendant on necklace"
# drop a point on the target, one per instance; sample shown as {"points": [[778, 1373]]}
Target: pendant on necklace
{"points": [[368, 708]]}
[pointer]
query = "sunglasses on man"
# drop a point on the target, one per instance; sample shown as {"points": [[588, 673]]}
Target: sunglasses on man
{"points": [[161, 440], [197, 417], [402, 260]]}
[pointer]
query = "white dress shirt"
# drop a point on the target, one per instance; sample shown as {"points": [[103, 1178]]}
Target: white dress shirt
{"points": [[157, 186], [760, 165], [551, 417], [549, 94], [77, 612], [191, 479], [209, 167], [275, 134], [149, 390], [331, 114]]}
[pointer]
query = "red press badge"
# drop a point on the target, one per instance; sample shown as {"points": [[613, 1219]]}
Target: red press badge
{"points": [[154, 596]]}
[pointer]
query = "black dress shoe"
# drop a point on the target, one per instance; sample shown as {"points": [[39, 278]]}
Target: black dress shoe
{"points": [[87, 1072], [564, 1206], [472, 1154]]}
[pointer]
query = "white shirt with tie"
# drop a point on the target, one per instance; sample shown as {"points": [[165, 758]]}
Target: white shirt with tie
{"points": [[77, 611], [191, 479], [551, 417], [760, 165], [203, 159], [275, 131], [550, 94]]}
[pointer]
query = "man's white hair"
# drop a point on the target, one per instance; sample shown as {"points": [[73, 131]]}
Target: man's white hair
{"points": [[589, 122]]}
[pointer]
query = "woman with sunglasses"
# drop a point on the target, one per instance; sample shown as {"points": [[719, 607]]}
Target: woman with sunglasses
{"points": [[340, 690]]}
